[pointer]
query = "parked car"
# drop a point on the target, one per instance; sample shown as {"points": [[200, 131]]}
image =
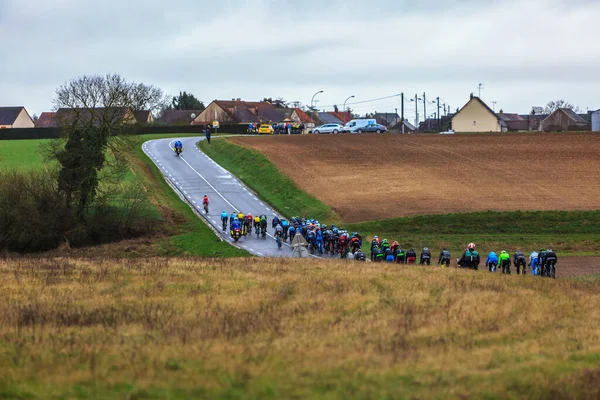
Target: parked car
{"points": [[267, 129], [448, 132], [328, 128], [371, 128], [356, 124]]}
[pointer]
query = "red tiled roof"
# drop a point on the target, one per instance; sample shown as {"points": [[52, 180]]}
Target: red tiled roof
{"points": [[46, 120], [249, 111], [343, 116], [304, 117]]}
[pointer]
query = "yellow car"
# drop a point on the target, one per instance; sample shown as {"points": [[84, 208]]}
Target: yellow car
{"points": [[268, 129]]}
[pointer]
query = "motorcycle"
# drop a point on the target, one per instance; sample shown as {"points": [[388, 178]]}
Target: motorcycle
{"points": [[237, 234], [178, 151]]}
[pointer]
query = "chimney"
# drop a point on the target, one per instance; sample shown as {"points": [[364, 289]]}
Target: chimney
{"points": [[471, 95]]}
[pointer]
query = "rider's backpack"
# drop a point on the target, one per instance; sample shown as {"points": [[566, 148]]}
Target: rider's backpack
{"points": [[471, 256]]}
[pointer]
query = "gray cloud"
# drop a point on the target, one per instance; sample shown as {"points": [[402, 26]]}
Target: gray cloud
{"points": [[525, 53]]}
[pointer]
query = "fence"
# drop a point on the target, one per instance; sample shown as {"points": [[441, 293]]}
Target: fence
{"points": [[53, 133]]}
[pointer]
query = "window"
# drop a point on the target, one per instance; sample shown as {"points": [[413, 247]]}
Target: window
{"points": [[474, 122]]}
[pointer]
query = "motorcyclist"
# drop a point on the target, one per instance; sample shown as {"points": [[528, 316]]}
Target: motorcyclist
{"points": [[178, 146], [359, 255], [224, 218], [491, 262], [519, 261], [504, 261], [444, 258], [425, 257], [236, 225], [470, 258], [411, 256], [534, 263]]}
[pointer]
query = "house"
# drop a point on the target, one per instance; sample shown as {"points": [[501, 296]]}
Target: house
{"points": [[408, 127], [327, 118], [513, 122], [387, 119], [46, 120], [239, 112], [476, 116], [343, 116], [301, 117], [596, 121], [15, 117], [565, 119], [144, 117], [534, 121], [178, 117]]}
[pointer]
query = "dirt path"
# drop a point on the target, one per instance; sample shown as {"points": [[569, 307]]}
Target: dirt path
{"points": [[367, 177]]}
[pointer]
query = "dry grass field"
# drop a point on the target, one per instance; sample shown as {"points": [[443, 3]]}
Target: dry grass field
{"points": [[254, 328], [368, 177]]}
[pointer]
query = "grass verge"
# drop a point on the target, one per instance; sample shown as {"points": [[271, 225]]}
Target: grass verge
{"points": [[255, 328], [267, 181]]}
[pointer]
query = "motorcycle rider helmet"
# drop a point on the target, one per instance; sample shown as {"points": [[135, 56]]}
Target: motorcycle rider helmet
{"points": [[471, 246], [425, 249]]}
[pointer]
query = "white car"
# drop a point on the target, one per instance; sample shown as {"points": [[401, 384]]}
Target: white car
{"points": [[328, 128]]}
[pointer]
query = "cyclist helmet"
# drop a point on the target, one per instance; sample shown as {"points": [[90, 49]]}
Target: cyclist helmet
{"points": [[249, 216], [471, 246], [543, 249], [425, 249], [549, 250]]}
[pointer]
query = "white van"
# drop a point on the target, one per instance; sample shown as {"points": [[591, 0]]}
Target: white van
{"points": [[355, 124]]}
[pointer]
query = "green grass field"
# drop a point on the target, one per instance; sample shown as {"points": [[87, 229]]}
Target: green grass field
{"points": [[289, 329], [574, 233], [187, 234]]}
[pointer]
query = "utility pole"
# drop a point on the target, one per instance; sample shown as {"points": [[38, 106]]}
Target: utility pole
{"points": [[416, 111], [402, 107], [438, 115], [480, 87], [494, 105], [445, 112], [425, 108]]}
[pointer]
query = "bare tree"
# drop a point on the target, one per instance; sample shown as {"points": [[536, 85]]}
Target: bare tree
{"points": [[95, 114], [555, 105]]}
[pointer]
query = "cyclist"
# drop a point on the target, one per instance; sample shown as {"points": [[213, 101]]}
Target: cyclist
{"points": [[470, 258], [231, 219], [359, 255], [205, 204], [240, 215], [263, 224], [378, 254], [504, 260], [444, 259], [533, 263], [275, 221], [224, 218], [285, 224], [292, 233], [492, 261], [400, 256], [425, 257], [542, 261], [247, 222], [374, 243], [355, 243], [278, 234], [256, 225], [520, 263], [389, 255], [385, 245], [411, 256], [319, 240], [551, 260]]}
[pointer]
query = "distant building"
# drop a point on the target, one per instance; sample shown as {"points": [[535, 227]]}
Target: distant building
{"points": [[476, 116], [177, 117], [46, 120], [387, 119], [239, 112], [328, 118], [563, 120], [408, 127], [15, 117], [144, 117], [596, 121]]}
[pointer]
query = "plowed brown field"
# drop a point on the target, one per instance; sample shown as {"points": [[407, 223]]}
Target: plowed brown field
{"points": [[367, 177]]}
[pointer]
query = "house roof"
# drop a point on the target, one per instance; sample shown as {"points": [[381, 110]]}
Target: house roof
{"points": [[407, 125], [8, 115], [328, 118], [142, 116], [343, 116], [475, 98], [250, 111], [304, 117], [573, 115], [178, 116], [510, 117], [390, 118], [46, 120]]}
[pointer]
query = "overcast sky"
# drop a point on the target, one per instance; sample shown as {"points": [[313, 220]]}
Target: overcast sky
{"points": [[524, 52]]}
